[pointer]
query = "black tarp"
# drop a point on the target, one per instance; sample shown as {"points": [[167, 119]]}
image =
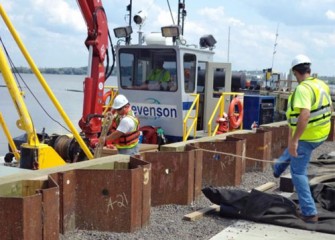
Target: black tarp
{"points": [[275, 209]]}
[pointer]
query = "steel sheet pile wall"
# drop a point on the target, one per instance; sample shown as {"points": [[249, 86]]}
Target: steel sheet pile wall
{"points": [[279, 139], [109, 196], [29, 210], [258, 147], [104, 199], [176, 176], [331, 136], [220, 168], [67, 197]]}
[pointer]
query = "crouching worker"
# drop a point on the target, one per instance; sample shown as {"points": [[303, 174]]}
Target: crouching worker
{"points": [[125, 127]]}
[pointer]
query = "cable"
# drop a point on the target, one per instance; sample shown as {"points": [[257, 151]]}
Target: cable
{"points": [[168, 2], [11, 63], [16, 73], [113, 54]]}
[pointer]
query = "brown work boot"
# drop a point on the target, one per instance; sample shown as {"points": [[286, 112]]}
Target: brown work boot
{"points": [[310, 219]]}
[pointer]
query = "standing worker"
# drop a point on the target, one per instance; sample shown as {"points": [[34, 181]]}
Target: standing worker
{"points": [[308, 114], [125, 127]]}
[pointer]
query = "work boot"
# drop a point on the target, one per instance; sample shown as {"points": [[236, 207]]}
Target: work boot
{"points": [[273, 171], [310, 219]]}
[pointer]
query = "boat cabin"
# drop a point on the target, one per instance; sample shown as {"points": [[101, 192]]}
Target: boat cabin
{"points": [[165, 101]]}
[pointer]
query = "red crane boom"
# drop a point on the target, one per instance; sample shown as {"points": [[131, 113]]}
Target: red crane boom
{"points": [[97, 44]]}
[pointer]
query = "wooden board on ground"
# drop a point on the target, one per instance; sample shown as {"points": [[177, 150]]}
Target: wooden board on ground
{"points": [[200, 213], [148, 147]]}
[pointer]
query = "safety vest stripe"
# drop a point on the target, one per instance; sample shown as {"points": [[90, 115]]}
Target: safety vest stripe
{"points": [[326, 117], [313, 114], [321, 109]]}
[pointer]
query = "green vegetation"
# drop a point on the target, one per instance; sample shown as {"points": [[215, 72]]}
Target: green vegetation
{"points": [[66, 71]]}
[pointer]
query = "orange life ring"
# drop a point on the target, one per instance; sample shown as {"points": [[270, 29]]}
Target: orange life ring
{"points": [[105, 100], [105, 97], [235, 119]]}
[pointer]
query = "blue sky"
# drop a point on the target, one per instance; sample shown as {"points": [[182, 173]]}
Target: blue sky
{"points": [[54, 31]]}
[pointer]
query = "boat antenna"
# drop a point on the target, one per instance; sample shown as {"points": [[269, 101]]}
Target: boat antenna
{"points": [[181, 15], [274, 47], [129, 9], [168, 2], [228, 44]]}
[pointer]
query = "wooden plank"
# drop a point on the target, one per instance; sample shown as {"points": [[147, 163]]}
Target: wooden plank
{"points": [[201, 212], [29, 187], [106, 124], [266, 186], [31, 174], [180, 146], [143, 147], [321, 179]]}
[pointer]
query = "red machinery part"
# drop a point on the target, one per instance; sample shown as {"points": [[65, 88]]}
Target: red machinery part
{"points": [[97, 43]]}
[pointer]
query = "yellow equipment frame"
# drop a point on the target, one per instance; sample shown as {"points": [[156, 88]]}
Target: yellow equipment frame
{"points": [[25, 122]]}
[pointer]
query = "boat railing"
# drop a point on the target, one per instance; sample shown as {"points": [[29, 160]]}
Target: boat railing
{"points": [[190, 121], [220, 106], [108, 98]]}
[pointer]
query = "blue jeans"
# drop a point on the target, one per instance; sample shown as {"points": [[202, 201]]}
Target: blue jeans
{"points": [[129, 151], [298, 167]]}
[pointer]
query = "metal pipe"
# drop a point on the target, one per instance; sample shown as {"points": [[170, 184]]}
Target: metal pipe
{"points": [[9, 138], [25, 122]]}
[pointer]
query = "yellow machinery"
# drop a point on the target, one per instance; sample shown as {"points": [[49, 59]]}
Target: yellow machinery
{"points": [[35, 155], [9, 138]]}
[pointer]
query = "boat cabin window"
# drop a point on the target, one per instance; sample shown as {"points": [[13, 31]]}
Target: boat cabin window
{"points": [[201, 77], [148, 69], [189, 72]]}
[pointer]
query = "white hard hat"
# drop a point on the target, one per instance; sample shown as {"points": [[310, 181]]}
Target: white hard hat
{"points": [[120, 101], [300, 59]]}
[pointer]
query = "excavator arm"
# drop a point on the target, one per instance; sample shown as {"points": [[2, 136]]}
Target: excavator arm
{"points": [[97, 44]]}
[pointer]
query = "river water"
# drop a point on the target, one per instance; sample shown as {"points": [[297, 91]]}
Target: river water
{"points": [[66, 88]]}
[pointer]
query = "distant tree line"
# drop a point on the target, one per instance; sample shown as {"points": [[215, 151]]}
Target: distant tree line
{"points": [[328, 79], [66, 71]]}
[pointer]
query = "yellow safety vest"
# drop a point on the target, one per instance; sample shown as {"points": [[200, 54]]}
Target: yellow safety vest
{"points": [[160, 75], [318, 126]]}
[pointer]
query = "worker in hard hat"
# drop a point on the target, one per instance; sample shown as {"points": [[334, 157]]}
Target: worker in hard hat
{"points": [[125, 127], [308, 114], [158, 78]]}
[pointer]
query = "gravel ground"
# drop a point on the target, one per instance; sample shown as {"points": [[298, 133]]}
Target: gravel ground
{"points": [[166, 222]]}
